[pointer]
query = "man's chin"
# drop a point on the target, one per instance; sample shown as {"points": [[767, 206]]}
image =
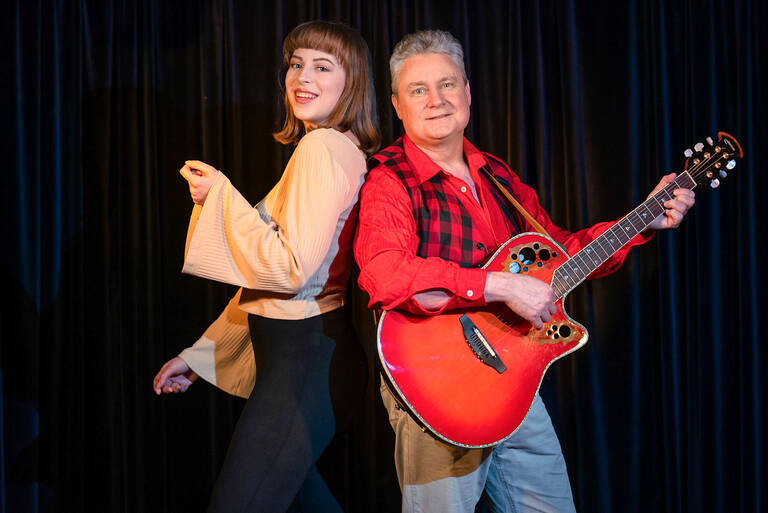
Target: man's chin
{"points": [[445, 134]]}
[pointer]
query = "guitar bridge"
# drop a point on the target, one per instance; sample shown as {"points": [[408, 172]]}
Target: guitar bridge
{"points": [[480, 345]]}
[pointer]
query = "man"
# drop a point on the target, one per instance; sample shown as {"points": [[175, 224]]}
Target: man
{"points": [[428, 218]]}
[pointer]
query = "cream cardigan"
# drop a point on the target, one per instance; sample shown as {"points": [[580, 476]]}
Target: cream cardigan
{"points": [[291, 254]]}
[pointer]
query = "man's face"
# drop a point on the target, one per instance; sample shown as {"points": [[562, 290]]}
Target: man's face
{"points": [[432, 99]]}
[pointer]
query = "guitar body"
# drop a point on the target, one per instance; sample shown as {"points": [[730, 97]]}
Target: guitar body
{"points": [[436, 374]]}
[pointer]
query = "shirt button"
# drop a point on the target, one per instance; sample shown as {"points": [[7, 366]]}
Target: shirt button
{"points": [[463, 189], [470, 293]]}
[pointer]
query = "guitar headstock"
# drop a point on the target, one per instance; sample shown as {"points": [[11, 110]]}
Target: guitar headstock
{"points": [[710, 161]]}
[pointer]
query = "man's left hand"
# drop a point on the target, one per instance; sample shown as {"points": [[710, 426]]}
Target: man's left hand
{"points": [[676, 207]]}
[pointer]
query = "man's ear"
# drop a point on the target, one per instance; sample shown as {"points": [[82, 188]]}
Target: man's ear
{"points": [[469, 95], [396, 105]]}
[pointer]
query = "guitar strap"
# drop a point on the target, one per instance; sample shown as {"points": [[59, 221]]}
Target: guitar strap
{"points": [[515, 203]]}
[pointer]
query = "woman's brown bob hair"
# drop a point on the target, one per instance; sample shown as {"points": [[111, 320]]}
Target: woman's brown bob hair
{"points": [[356, 108]]}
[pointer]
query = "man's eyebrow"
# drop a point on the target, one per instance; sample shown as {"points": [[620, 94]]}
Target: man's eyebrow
{"points": [[442, 79]]}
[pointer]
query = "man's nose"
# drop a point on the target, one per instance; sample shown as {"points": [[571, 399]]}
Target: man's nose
{"points": [[435, 97]]}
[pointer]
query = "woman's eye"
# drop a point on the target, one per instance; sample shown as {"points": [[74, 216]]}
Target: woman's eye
{"points": [[295, 65], [322, 68]]}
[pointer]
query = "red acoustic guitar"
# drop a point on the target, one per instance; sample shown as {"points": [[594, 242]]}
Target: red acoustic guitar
{"points": [[469, 377]]}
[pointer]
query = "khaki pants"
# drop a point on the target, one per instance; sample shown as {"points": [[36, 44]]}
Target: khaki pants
{"points": [[524, 473]]}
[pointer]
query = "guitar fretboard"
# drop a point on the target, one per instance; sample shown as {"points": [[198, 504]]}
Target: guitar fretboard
{"points": [[576, 269]]}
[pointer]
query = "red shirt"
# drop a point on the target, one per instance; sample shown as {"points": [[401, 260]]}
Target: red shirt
{"points": [[396, 254]]}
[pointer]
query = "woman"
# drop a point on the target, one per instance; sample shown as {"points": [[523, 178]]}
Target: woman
{"points": [[291, 255]]}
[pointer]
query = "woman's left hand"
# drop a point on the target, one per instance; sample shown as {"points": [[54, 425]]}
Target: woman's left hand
{"points": [[200, 177], [174, 377]]}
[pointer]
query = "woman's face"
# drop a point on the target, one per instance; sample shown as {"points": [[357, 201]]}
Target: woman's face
{"points": [[314, 82]]}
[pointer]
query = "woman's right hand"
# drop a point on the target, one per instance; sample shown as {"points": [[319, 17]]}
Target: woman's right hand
{"points": [[200, 177], [174, 377]]}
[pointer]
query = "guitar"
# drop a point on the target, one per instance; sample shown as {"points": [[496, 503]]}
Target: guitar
{"points": [[470, 377]]}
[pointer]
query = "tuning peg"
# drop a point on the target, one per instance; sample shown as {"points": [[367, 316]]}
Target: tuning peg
{"points": [[714, 183], [731, 164], [688, 153], [723, 174], [710, 141], [698, 146]]}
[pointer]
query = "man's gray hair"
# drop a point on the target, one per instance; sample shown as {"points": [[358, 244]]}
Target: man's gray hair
{"points": [[423, 42]]}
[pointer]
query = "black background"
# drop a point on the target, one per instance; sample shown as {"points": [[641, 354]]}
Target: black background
{"points": [[589, 101]]}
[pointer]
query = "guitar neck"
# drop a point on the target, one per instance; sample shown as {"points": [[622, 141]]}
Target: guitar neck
{"points": [[576, 269]]}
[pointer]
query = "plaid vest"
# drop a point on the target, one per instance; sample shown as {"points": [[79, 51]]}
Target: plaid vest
{"points": [[444, 225]]}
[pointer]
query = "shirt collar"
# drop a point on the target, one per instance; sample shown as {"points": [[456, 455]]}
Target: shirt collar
{"points": [[424, 168]]}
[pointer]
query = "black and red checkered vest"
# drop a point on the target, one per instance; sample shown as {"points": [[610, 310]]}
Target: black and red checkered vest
{"points": [[444, 225]]}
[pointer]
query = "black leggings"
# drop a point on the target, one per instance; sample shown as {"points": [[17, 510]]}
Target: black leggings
{"points": [[310, 374]]}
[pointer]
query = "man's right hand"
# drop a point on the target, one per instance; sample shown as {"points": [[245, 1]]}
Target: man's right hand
{"points": [[528, 297], [174, 377]]}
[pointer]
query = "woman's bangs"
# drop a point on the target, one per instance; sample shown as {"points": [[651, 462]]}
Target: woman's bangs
{"points": [[322, 39]]}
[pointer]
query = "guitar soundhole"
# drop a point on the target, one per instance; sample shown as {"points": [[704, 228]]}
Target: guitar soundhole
{"points": [[527, 256], [562, 333]]}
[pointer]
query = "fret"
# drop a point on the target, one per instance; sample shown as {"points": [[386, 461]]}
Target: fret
{"points": [[619, 230], [594, 259], [666, 191], [654, 207], [592, 255], [566, 276], [571, 273], [610, 238], [659, 204], [637, 222], [558, 287], [630, 230], [582, 265], [585, 267], [600, 249], [647, 214]]}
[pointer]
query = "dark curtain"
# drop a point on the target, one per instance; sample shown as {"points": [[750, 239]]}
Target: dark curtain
{"points": [[589, 101]]}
